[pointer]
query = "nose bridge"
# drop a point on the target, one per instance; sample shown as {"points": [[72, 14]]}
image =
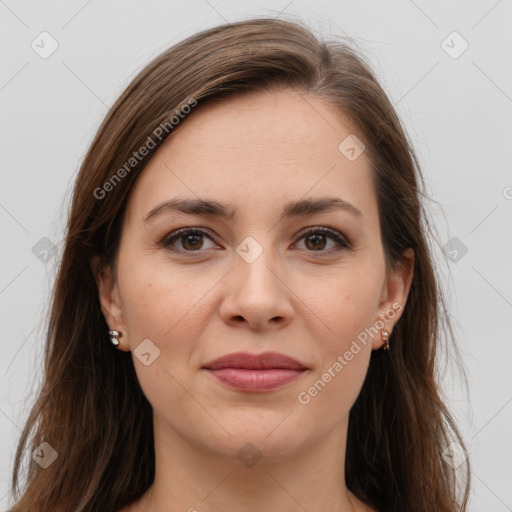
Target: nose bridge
{"points": [[257, 293], [253, 266]]}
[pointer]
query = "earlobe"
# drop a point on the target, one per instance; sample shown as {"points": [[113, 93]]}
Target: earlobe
{"points": [[108, 294], [398, 285], [395, 294]]}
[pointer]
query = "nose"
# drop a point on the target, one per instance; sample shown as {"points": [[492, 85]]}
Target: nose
{"points": [[257, 295]]}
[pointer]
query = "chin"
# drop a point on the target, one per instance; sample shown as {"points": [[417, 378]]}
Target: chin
{"points": [[267, 436]]}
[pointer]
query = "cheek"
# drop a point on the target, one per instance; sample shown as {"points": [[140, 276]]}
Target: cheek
{"points": [[347, 310], [346, 305], [162, 306], [159, 300]]}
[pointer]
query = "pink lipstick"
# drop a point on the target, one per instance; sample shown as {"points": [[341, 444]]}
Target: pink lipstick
{"points": [[255, 372]]}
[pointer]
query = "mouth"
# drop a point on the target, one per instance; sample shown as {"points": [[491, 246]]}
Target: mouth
{"points": [[255, 372]]}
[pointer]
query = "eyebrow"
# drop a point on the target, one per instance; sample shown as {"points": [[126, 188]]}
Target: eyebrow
{"points": [[299, 208]]}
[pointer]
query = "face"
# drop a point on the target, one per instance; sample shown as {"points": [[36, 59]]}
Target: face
{"points": [[307, 283]]}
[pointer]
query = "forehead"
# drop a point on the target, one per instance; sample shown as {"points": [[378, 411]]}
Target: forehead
{"points": [[264, 148], [277, 122]]}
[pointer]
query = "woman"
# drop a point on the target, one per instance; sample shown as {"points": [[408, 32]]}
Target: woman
{"points": [[246, 315]]}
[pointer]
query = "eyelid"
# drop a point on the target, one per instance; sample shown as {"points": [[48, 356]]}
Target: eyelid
{"points": [[344, 244], [174, 235], [340, 238]]}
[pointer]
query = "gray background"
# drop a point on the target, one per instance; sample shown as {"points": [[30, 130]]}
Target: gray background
{"points": [[456, 108]]}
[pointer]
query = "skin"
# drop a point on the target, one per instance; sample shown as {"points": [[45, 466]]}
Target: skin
{"points": [[254, 152]]}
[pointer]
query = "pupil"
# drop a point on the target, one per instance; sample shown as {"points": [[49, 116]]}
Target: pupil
{"points": [[195, 239], [318, 241]]}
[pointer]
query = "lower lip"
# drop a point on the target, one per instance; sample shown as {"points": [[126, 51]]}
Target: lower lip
{"points": [[256, 380]]}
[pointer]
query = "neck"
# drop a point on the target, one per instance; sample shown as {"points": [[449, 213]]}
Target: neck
{"points": [[190, 478]]}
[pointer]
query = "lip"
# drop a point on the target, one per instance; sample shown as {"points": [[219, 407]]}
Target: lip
{"points": [[263, 361], [255, 372]]}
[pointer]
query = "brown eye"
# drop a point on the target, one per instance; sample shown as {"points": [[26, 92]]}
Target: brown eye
{"points": [[189, 240], [317, 240]]}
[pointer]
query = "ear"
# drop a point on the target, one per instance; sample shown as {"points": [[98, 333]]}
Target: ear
{"points": [[109, 298], [394, 296]]}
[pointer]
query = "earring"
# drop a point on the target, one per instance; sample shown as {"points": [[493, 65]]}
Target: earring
{"points": [[114, 337], [385, 338]]}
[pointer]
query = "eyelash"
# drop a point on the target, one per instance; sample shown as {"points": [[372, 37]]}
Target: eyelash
{"points": [[343, 243]]}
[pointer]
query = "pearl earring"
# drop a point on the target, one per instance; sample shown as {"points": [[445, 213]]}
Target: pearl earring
{"points": [[385, 338], [114, 337]]}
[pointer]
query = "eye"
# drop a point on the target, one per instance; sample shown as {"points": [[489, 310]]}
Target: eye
{"points": [[316, 240], [189, 240]]}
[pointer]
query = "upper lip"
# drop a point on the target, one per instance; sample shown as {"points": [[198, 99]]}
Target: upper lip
{"points": [[263, 361]]}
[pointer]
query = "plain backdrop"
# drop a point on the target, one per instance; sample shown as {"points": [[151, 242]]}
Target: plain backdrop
{"points": [[446, 67]]}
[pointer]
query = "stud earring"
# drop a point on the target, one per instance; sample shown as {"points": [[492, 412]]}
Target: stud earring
{"points": [[114, 337], [385, 339]]}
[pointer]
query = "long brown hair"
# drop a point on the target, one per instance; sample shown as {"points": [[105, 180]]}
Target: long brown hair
{"points": [[90, 408]]}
